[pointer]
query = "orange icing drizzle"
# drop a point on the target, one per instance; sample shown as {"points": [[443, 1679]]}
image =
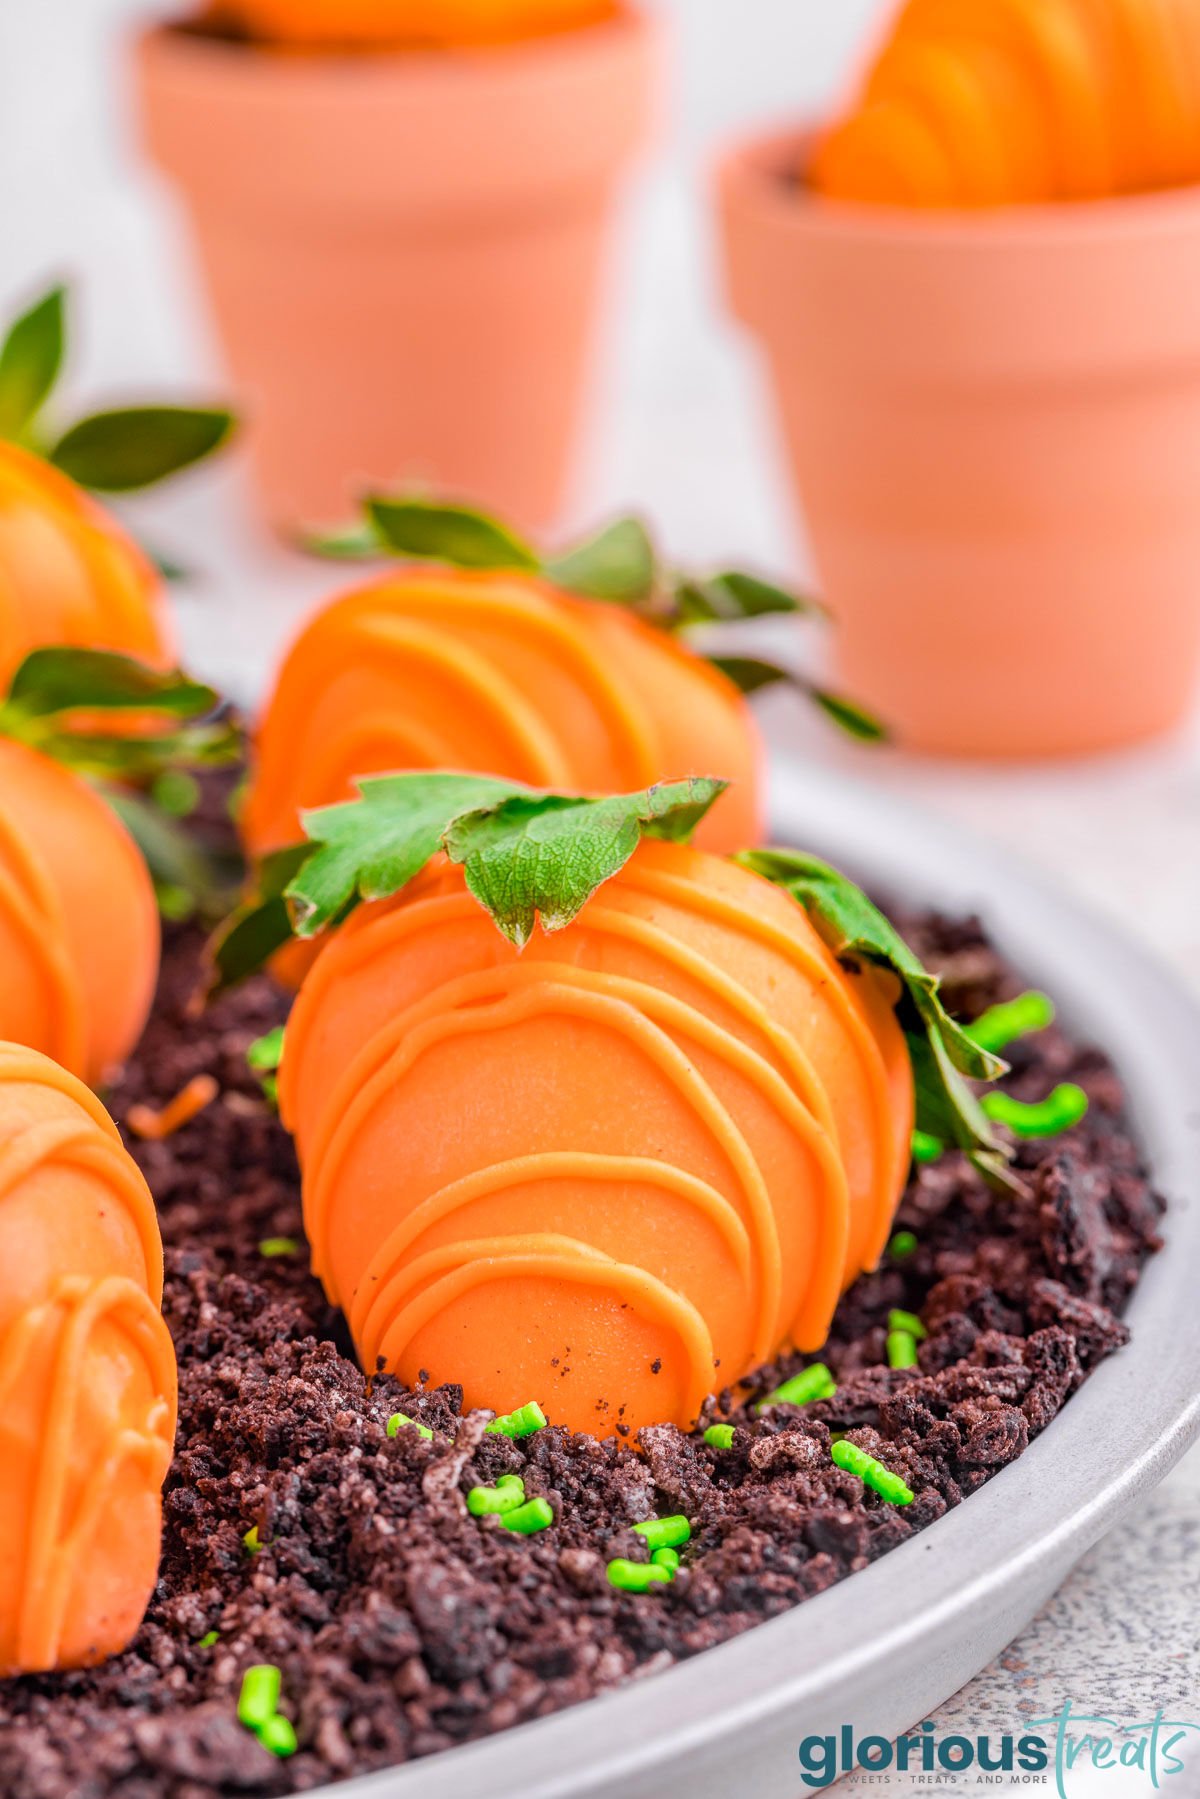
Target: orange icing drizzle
{"points": [[759, 1159]]}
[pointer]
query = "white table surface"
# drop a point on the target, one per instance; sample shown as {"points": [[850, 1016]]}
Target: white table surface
{"points": [[683, 434]]}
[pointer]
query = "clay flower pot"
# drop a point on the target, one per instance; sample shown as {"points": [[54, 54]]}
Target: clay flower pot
{"points": [[69, 573], [79, 931], [87, 1375], [656, 1143], [403, 249], [500, 673], [993, 422]]}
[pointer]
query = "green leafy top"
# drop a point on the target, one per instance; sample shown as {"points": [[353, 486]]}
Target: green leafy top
{"points": [[619, 564], [70, 704], [942, 1050], [528, 857], [113, 451]]}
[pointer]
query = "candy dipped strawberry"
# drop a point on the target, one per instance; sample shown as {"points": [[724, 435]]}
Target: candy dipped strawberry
{"points": [[87, 1375], [79, 833], [70, 573], [648, 1128], [574, 671]]}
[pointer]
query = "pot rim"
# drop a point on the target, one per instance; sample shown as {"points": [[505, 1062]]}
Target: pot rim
{"points": [[169, 47], [752, 174]]}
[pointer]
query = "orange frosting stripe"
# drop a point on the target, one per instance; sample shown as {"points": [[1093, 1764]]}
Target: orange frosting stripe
{"points": [[79, 931], [994, 102], [87, 1375], [503, 674], [380, 24], [68, 572], [684, 1082]]}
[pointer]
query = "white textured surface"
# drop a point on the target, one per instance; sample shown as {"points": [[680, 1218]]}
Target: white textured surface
{"points": [[685, 436]]}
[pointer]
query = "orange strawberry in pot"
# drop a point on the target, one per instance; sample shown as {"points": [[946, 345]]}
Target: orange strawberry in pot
{"points": [[997, 102], [659, 1140]]}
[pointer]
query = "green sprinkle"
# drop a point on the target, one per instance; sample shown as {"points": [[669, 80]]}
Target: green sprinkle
{"points": [[902, 1245], [1058, 1112], [521, 1423], [259, 1698], [398, 1419], [873, 1474], [175, 792], [638, 1577], [529, 1518], [907, 1321], [279, 1246], [175, 903], [208, 1639], [811, 1383], [507, 1494], [270, 1087], [278, 1735], [1013, 1018], [664, 1533], [926, 1148], [901, 1349], [667, 1558], [266, 1053], [252, 1540], [719, 1436]]}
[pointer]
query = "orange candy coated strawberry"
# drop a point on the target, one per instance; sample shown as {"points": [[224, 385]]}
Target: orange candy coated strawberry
{"points": [[612, 1172], [79, 930], [69, 574], [496, 674], [87, 1375]]}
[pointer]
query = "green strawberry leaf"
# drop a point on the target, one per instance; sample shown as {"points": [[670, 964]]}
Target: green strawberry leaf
{"points": [[527, 856], [359, 542], [188, 876], [260, 924], [618, 564], [131, 447], [734, 595], [849, 716], [30, 359], [541, 856], [62, 678], [431, 532], [942, 1050], [373, 846], [750, 674]]}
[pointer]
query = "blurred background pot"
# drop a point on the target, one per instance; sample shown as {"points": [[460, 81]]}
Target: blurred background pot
{"points": [[993, 423], [403, 249]]}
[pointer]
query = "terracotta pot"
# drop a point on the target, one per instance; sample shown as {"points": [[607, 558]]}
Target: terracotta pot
{"points": [[403, 250], [994, 429]]}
